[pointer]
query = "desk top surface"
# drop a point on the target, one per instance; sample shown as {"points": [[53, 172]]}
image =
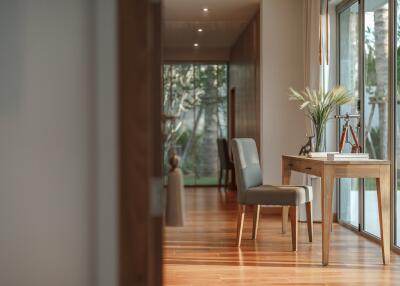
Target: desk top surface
{"points": [[336, 162]]}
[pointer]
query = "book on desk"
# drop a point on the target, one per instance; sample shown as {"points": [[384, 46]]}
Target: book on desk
{"points": [[336, 156]]}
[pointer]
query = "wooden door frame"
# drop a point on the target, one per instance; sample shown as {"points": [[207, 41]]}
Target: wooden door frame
{"points": [[140, 142], [231, 112], [232, 130]]}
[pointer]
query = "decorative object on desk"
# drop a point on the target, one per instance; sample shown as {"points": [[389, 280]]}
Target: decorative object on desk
{"points": [[318, 106], [308, 147], [344, 138]]}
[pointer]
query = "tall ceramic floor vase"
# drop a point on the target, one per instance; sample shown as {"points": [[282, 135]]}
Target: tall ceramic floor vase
{"points": [[175, 206]]}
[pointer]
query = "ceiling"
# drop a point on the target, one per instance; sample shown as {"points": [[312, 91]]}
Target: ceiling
{"points": [[221, 25]]}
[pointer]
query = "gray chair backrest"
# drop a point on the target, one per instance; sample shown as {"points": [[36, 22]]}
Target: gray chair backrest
{"points": [[247, 166]]}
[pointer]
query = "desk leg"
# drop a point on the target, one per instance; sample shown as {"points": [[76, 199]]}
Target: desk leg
{"points": [[383, 192], [327, 185], [286, 172]]}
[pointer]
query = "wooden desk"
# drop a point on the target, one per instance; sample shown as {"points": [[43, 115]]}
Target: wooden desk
{"points": [[329, 171]]}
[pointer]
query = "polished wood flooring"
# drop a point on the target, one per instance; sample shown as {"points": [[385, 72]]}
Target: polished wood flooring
{"points": [[203, 252]]}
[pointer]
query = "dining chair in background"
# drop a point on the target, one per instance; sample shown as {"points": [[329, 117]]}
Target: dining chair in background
{"points": [[226, 164]]}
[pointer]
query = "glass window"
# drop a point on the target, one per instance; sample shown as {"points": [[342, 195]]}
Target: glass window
{"points": [[376, 80], [349, 41], [197, 95]]}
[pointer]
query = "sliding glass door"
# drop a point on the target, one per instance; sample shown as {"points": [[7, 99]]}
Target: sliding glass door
{"points": [[349, 77], [365, 43], [364, 70], [376, 99]]}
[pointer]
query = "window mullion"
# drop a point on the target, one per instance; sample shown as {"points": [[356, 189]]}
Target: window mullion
{"points": [[361, 106]]}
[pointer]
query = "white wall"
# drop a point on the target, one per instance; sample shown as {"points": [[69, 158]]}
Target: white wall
{"points": [[283, 126], [106, 119], [331, 81], [47, 154]]}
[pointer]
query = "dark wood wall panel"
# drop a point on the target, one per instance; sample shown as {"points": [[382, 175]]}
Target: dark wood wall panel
{"points": [[140, 220], [244, 77]]}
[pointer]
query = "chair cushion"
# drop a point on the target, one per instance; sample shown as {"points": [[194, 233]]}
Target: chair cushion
{"points": [[279, 195]]}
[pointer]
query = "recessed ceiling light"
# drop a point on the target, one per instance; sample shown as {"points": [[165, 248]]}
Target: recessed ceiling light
{"points": [[199, 30], [195, 45], [205, 9]]}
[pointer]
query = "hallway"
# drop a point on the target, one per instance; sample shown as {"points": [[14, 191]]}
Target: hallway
{"points": [[203, 252]]}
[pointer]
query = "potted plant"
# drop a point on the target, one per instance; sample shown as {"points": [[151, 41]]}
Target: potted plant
{"points": [[318, 106]]}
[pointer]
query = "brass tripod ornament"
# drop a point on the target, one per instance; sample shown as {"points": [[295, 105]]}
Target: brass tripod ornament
{"points": [[344, 138]]}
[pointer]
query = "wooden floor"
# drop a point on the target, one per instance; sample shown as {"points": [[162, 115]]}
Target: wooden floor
{"points": [[203, 252]]}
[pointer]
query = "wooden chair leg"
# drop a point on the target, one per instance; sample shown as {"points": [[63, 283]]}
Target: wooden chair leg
{"points": [[293, 220], [309, 221], [226, 178], [256, 216], [285, 214], [240, 219]]}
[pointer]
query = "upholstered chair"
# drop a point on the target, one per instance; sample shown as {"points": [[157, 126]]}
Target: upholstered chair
{"points": [[251, 191]]}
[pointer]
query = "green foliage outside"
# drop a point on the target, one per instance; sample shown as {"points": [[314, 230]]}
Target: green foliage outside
{"points": [[196, 94], [191, 180]]}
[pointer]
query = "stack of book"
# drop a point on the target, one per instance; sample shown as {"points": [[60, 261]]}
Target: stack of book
{"points": [[331, 156], [347, 156], [320, 155]]}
